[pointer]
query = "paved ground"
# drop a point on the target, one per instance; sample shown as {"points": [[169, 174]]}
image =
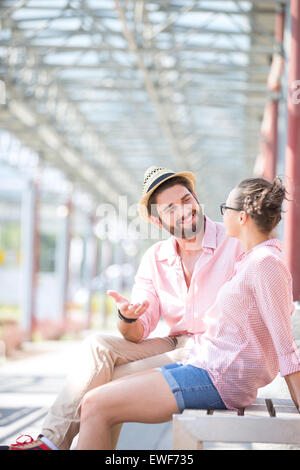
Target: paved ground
{"points": [[29, 385]]}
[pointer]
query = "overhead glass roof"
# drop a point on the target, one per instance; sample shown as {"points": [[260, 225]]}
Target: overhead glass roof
{"points": [[101, 90]]}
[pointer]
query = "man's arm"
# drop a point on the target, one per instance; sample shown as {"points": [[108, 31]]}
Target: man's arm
{"points": [[133, 331]]}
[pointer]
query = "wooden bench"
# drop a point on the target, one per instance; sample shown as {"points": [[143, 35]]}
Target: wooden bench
{"points": [[265, 421]]}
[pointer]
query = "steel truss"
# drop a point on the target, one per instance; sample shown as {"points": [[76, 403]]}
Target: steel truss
{"points": [[104, 89]]}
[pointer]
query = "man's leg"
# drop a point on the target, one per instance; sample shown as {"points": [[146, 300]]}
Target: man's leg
{"points": [[127, 399], [182, 347], [102, 359]]}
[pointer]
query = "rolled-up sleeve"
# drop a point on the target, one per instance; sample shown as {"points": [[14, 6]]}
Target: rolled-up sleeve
{"points": [[273, 293], [143, 289]]}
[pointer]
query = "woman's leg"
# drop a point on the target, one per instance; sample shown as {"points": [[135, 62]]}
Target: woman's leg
{"points": [[100, 358], [143, 397]]}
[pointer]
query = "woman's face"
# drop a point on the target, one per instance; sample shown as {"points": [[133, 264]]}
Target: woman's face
{"points": [[232, 218]]}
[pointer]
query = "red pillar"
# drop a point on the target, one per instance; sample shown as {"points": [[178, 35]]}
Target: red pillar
{"points": [[292, 216], [269, 140], [266, 164]]}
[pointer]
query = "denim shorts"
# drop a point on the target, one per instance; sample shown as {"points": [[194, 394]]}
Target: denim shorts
{"points": [[192, 387]]}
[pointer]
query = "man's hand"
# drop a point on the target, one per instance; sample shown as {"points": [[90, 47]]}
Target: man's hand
{"points": [[132, 331], [127, 309]]}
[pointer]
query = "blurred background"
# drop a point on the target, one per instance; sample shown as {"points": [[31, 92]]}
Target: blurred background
{"points": [[92, 93]]}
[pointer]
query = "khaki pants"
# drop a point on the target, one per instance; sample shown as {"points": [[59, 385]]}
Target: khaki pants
{"points": [[100, 360]]}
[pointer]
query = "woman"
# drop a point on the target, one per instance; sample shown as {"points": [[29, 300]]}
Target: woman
{"points": [[248, 338]]}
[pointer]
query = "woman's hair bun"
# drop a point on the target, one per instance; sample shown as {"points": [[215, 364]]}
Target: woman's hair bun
{"points": [[262, 200]]}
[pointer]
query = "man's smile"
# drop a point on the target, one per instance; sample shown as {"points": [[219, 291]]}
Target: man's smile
{"points": [[190, 218]]}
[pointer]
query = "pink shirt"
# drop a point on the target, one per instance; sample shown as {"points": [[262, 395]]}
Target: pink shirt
{"points": [[248, 337], [160, 280]]}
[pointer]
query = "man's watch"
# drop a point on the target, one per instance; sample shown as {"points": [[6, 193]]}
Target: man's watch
{"points": [[126, 320]]}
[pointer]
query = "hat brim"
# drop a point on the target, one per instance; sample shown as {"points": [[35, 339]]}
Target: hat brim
{"points": [[142, 205]]}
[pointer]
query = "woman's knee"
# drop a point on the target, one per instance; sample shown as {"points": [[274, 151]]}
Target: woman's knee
{"points": [[95, 405], [91, 403]]}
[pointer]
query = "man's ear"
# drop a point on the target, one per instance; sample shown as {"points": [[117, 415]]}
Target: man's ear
{"points": [[155, 220]]}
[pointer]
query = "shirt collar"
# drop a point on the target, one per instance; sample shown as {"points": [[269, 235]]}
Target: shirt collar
{"points": [[272, 242], [210, 235], [168, 248]]}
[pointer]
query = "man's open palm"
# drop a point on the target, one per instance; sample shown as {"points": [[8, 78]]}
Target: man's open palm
{"points": [[127, 309]]}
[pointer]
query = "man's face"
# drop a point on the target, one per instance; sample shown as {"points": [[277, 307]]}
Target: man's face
{"points": [[179, 212]]}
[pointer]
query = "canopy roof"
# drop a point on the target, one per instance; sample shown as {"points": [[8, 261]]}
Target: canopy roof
{"points": [[103, 89]]}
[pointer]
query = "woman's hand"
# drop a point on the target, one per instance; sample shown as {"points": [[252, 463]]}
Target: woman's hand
{"points": [[293, 383]]}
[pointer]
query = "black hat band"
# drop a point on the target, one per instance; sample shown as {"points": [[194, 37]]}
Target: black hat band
{"points": [[159, 180]]}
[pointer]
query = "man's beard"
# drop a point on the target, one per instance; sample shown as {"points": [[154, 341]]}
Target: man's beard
{"points": [[179, 230]]}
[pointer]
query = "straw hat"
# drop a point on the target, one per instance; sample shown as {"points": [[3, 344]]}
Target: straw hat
{"points": [[153, 177]]}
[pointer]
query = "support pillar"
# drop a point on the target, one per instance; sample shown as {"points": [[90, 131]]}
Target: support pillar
{"points": [[269, 140], [266, 165], [91, 265], [30, 256], [62, 261], [292, 216]]}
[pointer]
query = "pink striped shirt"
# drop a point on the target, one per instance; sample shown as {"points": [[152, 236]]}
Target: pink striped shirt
{"points": [[160, 280], [248, 336]]}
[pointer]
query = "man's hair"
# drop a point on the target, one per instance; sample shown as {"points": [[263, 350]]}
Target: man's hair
{"points": [[167, 184]]}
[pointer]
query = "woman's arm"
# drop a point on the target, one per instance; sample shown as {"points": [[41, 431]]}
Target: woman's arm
{"points": [[274, 298], [293, 383], [143, 290]]}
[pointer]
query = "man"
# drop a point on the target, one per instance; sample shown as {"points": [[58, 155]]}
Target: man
{"points": [[178, 279]]}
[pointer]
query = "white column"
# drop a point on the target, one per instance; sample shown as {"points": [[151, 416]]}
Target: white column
{"points": [[90, 264], [62, 258], [29, 243]]}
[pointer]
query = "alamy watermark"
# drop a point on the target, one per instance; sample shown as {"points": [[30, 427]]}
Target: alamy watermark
{"points": [[124, 221]]}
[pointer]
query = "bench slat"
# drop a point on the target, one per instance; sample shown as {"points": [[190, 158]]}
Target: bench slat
{"points": [[198, 412], [285, 408], [224, 412], [260, 408]]}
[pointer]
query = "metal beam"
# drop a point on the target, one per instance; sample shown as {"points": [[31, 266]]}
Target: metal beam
{"points": [[57, 32], [174, 49], [60, 97], [106, 10], [62, 154], [152, 91], [206, 67]]}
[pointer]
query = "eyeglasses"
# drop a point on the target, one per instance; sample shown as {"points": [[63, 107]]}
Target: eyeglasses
{"points": [[223, 208]]}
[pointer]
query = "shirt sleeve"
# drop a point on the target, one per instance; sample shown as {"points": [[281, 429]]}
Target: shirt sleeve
{"points": [[273, 293], [143, 289]]}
